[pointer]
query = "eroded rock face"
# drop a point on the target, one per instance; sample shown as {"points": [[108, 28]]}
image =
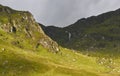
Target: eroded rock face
{"points": [[22, 23], [48, 43]]}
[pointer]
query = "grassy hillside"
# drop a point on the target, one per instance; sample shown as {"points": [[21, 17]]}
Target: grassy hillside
{"points": [[26, 31], [26, 51], [16, 61]]}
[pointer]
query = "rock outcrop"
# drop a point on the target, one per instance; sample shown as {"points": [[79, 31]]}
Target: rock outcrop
{"points": [[22, 24]]}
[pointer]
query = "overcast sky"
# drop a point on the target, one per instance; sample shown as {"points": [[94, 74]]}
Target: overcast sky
{"points": [[62, 12]]}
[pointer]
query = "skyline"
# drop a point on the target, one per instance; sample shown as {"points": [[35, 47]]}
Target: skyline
{"points": [[62, 13]]}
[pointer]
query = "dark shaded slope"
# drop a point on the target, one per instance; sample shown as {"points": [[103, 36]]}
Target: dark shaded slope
{"points": [[96, 32]]}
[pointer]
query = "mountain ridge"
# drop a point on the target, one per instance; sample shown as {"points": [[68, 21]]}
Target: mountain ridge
{"points": [[25, 50], [23, 23], [103, 27]]}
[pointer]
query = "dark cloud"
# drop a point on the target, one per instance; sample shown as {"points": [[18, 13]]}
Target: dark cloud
{"points": [[62, 12]]}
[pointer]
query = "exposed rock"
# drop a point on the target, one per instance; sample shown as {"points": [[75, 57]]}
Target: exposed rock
{"points": [[13, 29], [74, 60], [3, 49], [22, 22]]}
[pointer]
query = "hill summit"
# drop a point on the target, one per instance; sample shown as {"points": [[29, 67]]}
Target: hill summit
{"points": [[25, 31]]}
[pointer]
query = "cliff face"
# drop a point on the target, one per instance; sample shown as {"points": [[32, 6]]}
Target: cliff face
{"points": [[22, 26]]}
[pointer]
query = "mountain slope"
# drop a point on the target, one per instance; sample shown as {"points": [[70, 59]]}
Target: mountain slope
{"points": [[22, 26], [93, 33], [26, 51], [16, 61]]}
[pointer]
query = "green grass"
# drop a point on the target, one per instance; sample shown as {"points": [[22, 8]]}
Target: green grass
{"points": [[24, 60], [18, 62], [20, 57]]}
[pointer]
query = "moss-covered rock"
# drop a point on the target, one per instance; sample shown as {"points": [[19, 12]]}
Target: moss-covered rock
{"points": [[22, 25]]}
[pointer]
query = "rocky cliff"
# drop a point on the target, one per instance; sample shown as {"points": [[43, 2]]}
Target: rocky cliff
{"points": [[26, 31]]}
